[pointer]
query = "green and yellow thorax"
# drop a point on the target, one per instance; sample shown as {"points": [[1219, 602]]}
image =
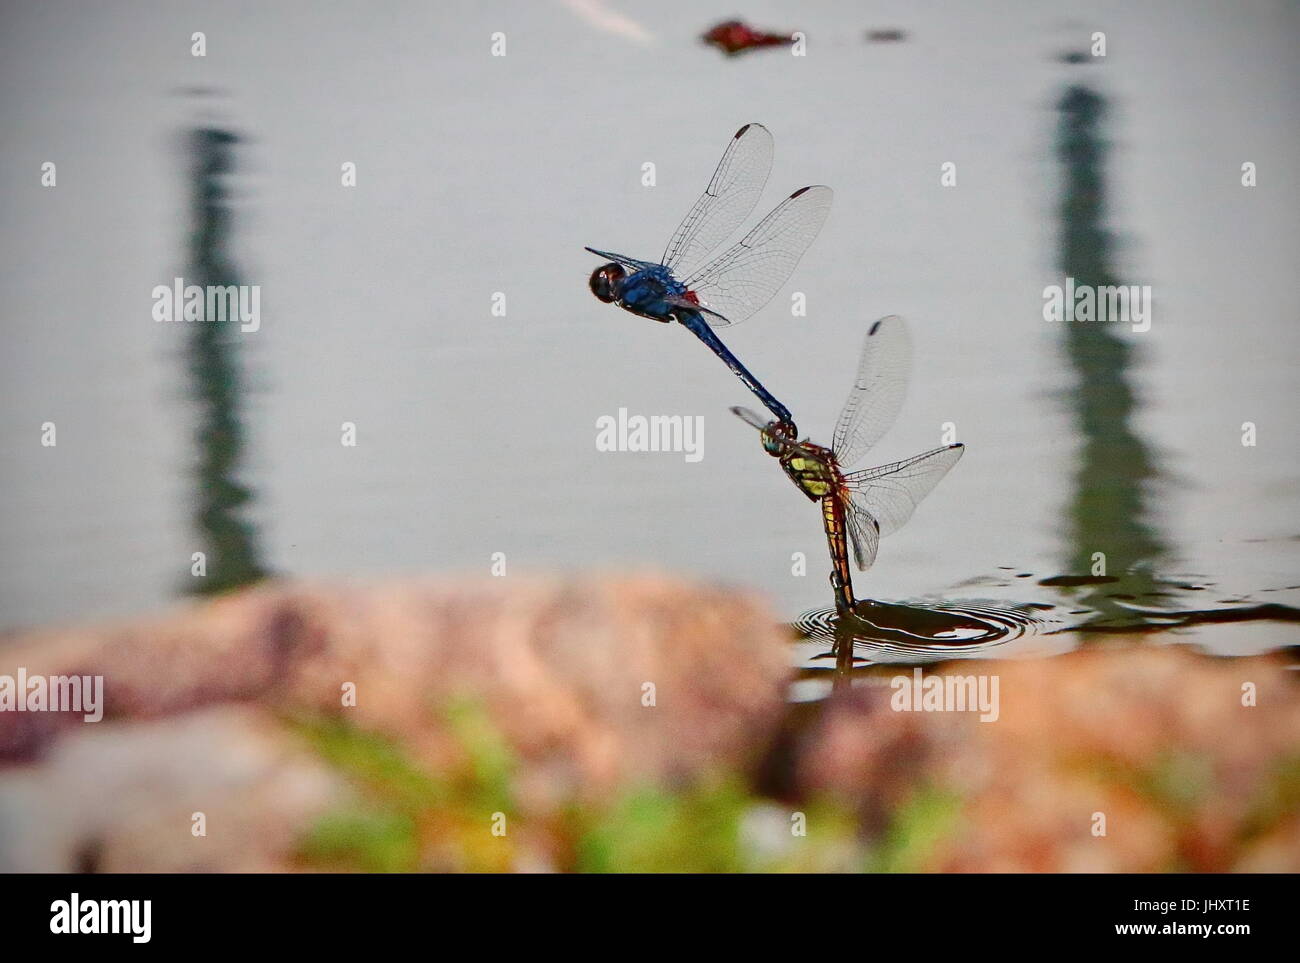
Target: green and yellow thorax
{"points": [[813, 469]]}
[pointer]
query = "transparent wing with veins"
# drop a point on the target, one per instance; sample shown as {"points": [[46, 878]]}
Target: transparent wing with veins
{"points": [[744, 278], [727, 201], [879, 501], [878, 390], [629, 262]]}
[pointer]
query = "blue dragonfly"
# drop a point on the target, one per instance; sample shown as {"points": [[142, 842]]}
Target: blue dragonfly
{"points": [[735, 284]]}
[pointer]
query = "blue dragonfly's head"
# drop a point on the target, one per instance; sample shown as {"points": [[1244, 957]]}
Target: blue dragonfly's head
{"points": [[605, 280]]}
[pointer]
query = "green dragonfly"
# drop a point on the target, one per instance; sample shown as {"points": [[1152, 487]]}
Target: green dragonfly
{"points": [[860, 506]]}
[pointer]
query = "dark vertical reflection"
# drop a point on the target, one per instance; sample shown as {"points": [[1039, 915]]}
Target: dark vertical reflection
{"points": [[845, 640], [227, 539], [1109, 512]]}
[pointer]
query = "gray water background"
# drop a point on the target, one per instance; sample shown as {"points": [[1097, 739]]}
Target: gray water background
{"points": [[480, 174]]}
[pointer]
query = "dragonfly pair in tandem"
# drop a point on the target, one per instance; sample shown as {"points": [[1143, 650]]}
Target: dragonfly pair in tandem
{"points": [[860, 506]]}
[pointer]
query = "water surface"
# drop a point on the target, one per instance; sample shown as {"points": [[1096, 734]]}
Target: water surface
{"points": [[478, 175]]}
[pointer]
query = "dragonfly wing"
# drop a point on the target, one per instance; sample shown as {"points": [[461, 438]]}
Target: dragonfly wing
{"points": [[745, 277], [788, 444], [864, 533], [633, 263], [887, 496], [877, 395], [750, 418], [727, 201]]}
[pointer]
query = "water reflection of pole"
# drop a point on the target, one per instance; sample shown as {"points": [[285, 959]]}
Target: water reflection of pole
{"points": [[228, 541], [1109, 513]]}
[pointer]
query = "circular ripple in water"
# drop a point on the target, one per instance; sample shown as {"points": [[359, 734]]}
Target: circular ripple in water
{"points": [[912, 632]]}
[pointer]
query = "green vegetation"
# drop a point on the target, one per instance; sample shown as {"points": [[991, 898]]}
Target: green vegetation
{"points": [[914, 836], [406, 820], [369, 840], [1277, 801]]}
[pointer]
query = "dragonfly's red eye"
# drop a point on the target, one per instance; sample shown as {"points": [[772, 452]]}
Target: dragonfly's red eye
{"points": [[604, 281]]}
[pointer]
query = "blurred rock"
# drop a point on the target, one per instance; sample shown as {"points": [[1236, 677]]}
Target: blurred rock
{"points": [[225, 707], [121, 797], [559, 668], [1155, 738]]}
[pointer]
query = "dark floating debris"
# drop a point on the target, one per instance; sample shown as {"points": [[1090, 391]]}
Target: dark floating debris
{"points": [[1069, 580], [1075, 57], [734, 37], [886, 35]]}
